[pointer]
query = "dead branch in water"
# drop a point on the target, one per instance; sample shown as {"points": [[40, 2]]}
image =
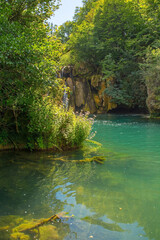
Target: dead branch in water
{"points": [[97, 159]]}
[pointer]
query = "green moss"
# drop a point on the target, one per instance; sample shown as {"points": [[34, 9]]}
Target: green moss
{"points": [[35, 228], [48, 233], [25, 226], [7, 223], [19, 236], [31, 225], [94, 142], [97, 159]]}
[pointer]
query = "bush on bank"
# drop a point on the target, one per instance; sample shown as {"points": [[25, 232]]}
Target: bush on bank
{"points": [[48, 126], [51, 126]]}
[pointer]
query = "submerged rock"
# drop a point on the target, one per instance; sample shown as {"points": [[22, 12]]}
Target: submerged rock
{"points": [[19, 236], [17, 228], [48, 232], [97, 159]]}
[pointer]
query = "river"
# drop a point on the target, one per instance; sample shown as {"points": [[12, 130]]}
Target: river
{"points": [[118, 200]]}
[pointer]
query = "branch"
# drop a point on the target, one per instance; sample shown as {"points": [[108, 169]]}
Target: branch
{"points": [[39, 224]]}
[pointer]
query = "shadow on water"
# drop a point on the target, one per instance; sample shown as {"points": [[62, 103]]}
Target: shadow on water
{"points": [[118, 200]]}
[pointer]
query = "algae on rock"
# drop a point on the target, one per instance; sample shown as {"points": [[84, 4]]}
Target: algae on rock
{"points": [[48, 232], [97, 159], [17, 228]]}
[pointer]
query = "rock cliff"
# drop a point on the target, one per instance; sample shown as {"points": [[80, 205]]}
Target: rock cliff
{"points": [[87, 93]]}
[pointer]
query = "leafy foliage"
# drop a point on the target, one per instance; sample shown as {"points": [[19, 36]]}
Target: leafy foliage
{"points": [[63, 32], [151, 74], [29, 57], [53, 126]]}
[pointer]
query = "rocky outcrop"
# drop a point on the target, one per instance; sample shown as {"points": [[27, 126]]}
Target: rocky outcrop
{"points": [[88, 93]]}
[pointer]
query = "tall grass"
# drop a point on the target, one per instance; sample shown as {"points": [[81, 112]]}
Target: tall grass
{"points": [[51, 126]]}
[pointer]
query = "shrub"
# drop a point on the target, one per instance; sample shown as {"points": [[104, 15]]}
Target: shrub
{"points": [[151, 74], [51, 126]]}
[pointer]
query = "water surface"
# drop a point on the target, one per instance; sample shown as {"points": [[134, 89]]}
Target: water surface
{"points": [[118, 200]]}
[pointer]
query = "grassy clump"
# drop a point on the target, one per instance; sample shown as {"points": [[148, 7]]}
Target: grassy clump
{"points": [[46, 124], [51, 126]]}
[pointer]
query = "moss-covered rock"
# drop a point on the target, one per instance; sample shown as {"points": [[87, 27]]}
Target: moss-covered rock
{"points": [[17, 228], [97, 159], [7, 224], [19, 236], [48, 232], [95, 80]]}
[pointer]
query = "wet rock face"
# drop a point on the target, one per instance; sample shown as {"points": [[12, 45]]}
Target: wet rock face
{"points": [[80, 91], [88, 94]]}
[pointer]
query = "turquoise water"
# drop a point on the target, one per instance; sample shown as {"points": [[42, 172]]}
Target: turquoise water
{"points": [[118, 200]]}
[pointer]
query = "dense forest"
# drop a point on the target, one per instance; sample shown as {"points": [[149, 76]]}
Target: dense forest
{"points": [[108, 57]]}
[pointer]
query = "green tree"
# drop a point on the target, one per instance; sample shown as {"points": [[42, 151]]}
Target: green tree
{"points": [[29, 88], [63, 32], [118, 27], [27, 54], [110, 37]]}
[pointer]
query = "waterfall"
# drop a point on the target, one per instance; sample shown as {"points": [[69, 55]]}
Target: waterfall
{"points": [[65, 95], [65, 98], [62, 71]]}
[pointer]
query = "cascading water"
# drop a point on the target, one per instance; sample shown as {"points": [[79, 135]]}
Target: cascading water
{"points": [[65, 95], [62, 72]]}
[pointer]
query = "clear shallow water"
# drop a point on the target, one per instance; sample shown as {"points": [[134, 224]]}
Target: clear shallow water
{"points": [[115, 201]]}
